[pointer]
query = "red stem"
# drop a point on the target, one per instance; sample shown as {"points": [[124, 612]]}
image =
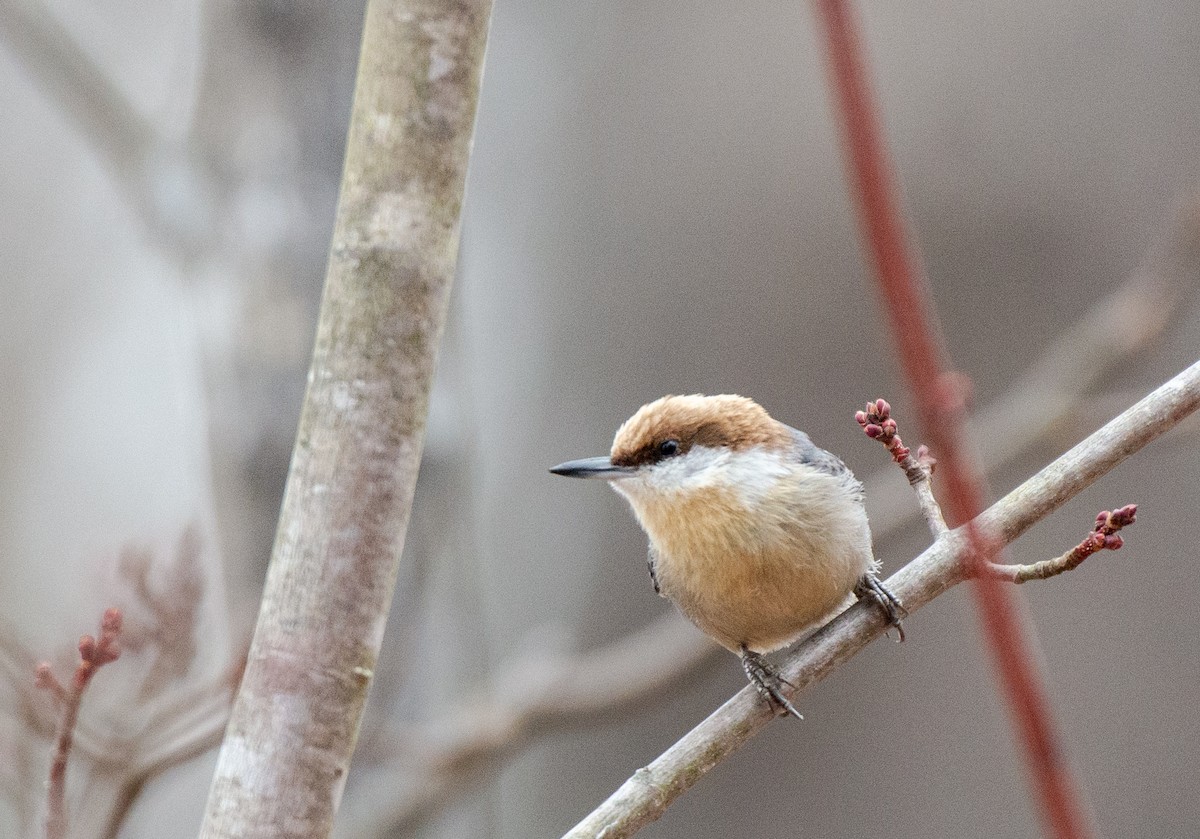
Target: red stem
{"points": [[918, 337], [93, 654], [56, 807]]}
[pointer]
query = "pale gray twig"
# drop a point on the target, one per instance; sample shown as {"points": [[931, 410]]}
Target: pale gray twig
{"points": [[73, 80], [168, 186], [534, 693], [1104, 537]]}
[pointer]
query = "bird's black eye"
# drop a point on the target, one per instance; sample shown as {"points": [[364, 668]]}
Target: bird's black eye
{"points": [[667, 448]]}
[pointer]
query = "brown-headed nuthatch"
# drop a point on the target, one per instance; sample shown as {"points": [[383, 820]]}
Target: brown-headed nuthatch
{"points": [[755, 533]]}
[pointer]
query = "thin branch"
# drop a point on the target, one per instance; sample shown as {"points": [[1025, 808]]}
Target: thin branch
{"points": [[1100, 343], [202, 732], [152, 761], [138, 156], [533, 695], [178, 710], [94, 653], [1102, 538], [645, 796], [80, 87], [878, 424]]}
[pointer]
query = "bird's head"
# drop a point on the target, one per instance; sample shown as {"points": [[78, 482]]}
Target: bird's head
{"points": [[679, 444]]}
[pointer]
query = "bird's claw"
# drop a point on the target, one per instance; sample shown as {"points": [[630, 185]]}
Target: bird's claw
{"points": [[767, 682], [871, 586]]}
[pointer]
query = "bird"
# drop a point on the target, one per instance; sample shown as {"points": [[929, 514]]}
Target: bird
{"points": [[757, 534]]}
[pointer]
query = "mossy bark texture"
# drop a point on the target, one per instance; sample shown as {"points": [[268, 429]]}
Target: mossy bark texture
{"points": [[283, 763]]}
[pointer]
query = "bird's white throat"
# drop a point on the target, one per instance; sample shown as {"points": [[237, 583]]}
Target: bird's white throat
{"points": [[750, 474]]}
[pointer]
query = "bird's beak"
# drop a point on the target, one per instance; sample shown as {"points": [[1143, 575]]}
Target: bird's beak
{"points": [[592, 467]]}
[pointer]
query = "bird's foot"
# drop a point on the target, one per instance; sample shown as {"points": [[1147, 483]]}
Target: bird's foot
{"points": [[871, 586], [767, 682]]}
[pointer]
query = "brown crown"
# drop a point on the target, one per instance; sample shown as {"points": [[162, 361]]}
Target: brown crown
{"points": [[696, 420]]}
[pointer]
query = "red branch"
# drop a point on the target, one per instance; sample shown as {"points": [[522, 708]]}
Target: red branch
{"points": [[940, 405], [93, 654]]}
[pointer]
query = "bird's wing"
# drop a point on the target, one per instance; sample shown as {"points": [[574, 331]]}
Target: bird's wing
{"points": [[808, 452]]}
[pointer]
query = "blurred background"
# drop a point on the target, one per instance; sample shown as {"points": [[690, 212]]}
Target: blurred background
{"points": [[656, 205]]}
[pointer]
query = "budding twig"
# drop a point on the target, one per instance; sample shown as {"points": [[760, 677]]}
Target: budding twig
{"points": [[1102, 538], [93, 654], [878, 424]]}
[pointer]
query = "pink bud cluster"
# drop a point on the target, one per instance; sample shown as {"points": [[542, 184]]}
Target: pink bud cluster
{"points": [[1104, 535], [108, 648], [94, 653], [877, 423]]}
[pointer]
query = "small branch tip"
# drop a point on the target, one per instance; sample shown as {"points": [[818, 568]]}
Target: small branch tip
{"points": [[1102, 538], [93, 654], [878, 423], [45, 679], [111, 623]]}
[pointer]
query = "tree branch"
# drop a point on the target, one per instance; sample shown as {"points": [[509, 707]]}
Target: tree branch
{"points": [[94, 653], [283, 764], [1102, 538], [535, 693], [645, 796], [877, 423], [81, 88]]}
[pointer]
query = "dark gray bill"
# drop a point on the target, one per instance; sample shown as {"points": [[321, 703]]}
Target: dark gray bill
{"points": [[592, 467]]}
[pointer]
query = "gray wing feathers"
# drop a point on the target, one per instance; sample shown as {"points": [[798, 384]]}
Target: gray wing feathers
{"points": [[808, 452]]}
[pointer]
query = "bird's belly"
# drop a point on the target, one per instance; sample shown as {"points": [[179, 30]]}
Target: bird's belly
{"points": [[762, 587], [762, 601]]}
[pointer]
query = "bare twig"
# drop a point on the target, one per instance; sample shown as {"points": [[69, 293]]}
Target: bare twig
{"points": [[94, 653], [72, 79], [1102, 538], [534, 694], [189, 725], [139, 157], [878, 424], [646, 795], [1085, 354], [40, 717], [149, 762], [168, 628]]}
